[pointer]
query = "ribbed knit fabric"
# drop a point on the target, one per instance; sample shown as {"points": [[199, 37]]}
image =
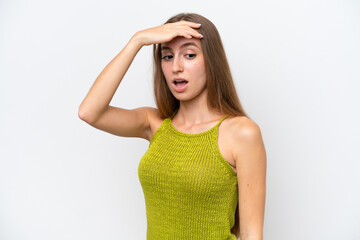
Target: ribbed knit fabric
{"points": [[190, 190]]}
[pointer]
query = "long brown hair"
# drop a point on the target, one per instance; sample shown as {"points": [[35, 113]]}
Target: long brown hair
{"points": [[222, 95]]}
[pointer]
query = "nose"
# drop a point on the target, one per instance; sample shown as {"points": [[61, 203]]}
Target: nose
{"points": [[177, 65]]}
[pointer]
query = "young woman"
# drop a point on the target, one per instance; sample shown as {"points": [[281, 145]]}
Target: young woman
{"points": [[204, 174]]}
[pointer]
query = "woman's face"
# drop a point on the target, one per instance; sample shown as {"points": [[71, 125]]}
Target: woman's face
{"points": [[184, 68]]}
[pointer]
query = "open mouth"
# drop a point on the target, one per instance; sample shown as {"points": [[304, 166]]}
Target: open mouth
{"points": [[180, 83]]}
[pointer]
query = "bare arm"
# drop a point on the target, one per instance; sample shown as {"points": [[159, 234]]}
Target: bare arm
{"points": [[250, 156], [95, 108], [102, 91]]}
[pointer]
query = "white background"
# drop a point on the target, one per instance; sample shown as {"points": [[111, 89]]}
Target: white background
{"points": [[296, 66]]}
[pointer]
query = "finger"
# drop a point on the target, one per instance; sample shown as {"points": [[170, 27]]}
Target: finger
{"points": [[197, 35], [194, 33], [190, 24]]}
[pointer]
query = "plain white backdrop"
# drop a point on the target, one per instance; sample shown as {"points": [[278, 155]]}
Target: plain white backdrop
{"points": [[296, 66]]}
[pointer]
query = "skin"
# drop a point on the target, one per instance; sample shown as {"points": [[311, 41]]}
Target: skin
{"points": [[240, 141], [180, 59]]}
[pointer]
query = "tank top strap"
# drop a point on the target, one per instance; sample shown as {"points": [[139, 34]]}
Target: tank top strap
{"points": [[222, 119]]}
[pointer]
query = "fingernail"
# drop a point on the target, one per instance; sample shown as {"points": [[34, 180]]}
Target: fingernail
{"points": [[201, 35]]}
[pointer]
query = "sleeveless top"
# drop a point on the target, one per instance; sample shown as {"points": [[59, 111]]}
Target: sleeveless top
{"points": [[190, 190]]}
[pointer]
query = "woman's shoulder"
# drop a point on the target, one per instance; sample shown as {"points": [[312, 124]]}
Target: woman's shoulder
{"points": [[237, 133], [242, 128]]}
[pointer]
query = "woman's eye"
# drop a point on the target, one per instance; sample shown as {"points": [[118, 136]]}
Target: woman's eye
{"points": [[167, 57], [191, 55]]}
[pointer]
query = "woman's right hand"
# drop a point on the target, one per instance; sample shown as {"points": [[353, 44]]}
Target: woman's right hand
{"points": [[167, 32]]}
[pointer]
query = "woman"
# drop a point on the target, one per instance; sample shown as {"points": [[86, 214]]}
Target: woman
{"points": [[204, 174]]}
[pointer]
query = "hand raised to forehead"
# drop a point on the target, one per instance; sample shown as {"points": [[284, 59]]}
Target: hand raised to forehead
{"points": [[167, 32]]}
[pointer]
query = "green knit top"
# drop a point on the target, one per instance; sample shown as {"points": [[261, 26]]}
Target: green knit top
{"points": [[190, 190]]}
